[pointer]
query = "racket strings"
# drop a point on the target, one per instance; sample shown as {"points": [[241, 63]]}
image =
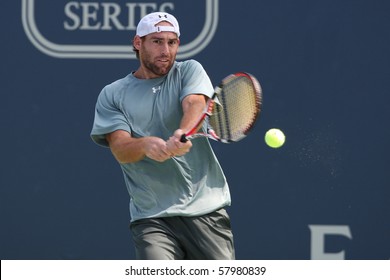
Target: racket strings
{"points": [[239, 97]]}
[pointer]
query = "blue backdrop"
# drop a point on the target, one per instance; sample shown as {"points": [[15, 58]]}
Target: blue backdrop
{"points": [[324, 69]]}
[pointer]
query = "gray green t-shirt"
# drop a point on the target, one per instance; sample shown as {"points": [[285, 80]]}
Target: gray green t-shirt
{"points": [[190, 185]]}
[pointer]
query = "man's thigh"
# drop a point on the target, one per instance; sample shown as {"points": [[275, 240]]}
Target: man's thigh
{"points": [[153, 240], [209, 237], [206, 237]]}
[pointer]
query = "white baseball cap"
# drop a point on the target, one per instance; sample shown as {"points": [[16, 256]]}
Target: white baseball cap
{"points": [[148, 24]]}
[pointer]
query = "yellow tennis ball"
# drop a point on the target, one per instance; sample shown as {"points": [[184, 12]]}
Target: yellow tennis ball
{"points": [[274, 138]]}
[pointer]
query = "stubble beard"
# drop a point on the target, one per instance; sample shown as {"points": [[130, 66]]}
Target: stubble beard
{"points": [[156, 69]]}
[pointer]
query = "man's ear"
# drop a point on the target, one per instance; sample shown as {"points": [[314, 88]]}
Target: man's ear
{"points": [[137, 42]]}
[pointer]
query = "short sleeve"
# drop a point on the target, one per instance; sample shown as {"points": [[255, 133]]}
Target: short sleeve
{"points": [[195, 80], [108, 117]]}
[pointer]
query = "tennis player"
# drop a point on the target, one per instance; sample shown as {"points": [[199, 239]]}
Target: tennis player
{"points": [[178, 191]]}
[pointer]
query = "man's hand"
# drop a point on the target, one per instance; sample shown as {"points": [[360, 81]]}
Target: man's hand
{"points": [[175, 146], [156, 149]]}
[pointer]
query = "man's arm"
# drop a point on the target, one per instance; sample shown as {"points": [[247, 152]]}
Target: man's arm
{"points": [[193, 106], [127, 149]]}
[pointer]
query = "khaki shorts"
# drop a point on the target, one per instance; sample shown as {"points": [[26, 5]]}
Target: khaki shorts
{"points": [[207, 237]]}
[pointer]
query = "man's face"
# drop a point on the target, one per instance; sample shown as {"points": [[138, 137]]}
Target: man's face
{"points": [[158, 51]]}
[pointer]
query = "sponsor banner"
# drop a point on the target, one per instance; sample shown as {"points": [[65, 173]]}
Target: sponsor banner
{"points": [[105, 29]]}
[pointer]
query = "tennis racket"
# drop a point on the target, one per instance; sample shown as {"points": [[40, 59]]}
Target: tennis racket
{"points": [[231, 112]]}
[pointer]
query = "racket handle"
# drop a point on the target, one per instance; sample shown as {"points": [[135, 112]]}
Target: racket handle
{"points": [[183, 138]]}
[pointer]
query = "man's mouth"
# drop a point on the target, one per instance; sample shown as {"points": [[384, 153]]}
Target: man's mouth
{"points": [[164, 60]]}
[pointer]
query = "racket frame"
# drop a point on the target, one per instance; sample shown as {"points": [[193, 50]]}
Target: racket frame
{"points": [[208, 111]]}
